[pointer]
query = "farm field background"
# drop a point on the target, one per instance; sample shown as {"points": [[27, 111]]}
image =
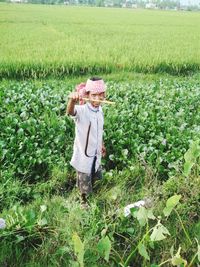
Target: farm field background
{"points": [[152, 137], [43, 40]]}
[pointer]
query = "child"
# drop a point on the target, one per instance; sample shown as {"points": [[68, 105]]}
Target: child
{"points": [[88, 143]]}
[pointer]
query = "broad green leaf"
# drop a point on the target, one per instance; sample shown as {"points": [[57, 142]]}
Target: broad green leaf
{"points": [[142, 216], [159, 232], [190, 157], [167, 211], [193, 152], [150, 214], [196, 150], [104, 247], [78, 249], [187, 168], [170, 204], [173, 201], [143, 252]]}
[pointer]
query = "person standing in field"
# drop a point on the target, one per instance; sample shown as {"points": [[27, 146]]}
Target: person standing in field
{"points": [[88, 144]]}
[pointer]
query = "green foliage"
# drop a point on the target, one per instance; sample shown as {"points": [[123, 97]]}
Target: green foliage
{"points": [[159, 233], [191, 157], [35, 133], [143, 251], [171, 203], [78, 248], [143, 215], [177, 260], [25, 225], [104, 247], [153, 122], [101, 236]]}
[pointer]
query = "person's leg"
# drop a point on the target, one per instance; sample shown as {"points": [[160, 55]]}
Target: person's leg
{"points": [[85, 185]]}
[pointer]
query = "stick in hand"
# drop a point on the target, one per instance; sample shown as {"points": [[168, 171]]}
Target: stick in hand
{"points": [[75, 97], [101, 101]]}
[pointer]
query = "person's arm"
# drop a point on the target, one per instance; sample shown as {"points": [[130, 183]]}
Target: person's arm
{"points": [[73, 98]]}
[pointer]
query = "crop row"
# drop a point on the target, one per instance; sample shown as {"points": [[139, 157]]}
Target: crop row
{"points": [[58, 41], [154, 121]]}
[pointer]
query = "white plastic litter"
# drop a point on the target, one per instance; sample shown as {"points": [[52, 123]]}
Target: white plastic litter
{"points": [[2, 223], [138, 204]]}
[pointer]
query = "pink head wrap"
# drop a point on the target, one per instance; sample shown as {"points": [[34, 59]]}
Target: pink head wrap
{"points": [[95, 86]]}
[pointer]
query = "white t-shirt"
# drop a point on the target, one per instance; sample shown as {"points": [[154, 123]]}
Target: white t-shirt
{"points": [[88, 137]]}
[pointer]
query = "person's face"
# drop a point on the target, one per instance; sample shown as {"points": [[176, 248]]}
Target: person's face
{"points": [[96, 97]]}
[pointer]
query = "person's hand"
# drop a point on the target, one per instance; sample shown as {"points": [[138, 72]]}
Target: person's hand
{"points": [[74, 96], [103, 151]]}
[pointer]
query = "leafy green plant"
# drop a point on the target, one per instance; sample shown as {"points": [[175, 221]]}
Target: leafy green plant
{"points": [[104, 247], [78, 249], [191, 157], [156, 233], [25, 225]]}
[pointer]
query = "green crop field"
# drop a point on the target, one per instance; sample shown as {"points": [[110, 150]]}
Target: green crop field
{"points": [[150, 61], [57, 40]]}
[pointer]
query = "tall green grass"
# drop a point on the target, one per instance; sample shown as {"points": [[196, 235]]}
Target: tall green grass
{"points": [[40, 234], [41, 41]]}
